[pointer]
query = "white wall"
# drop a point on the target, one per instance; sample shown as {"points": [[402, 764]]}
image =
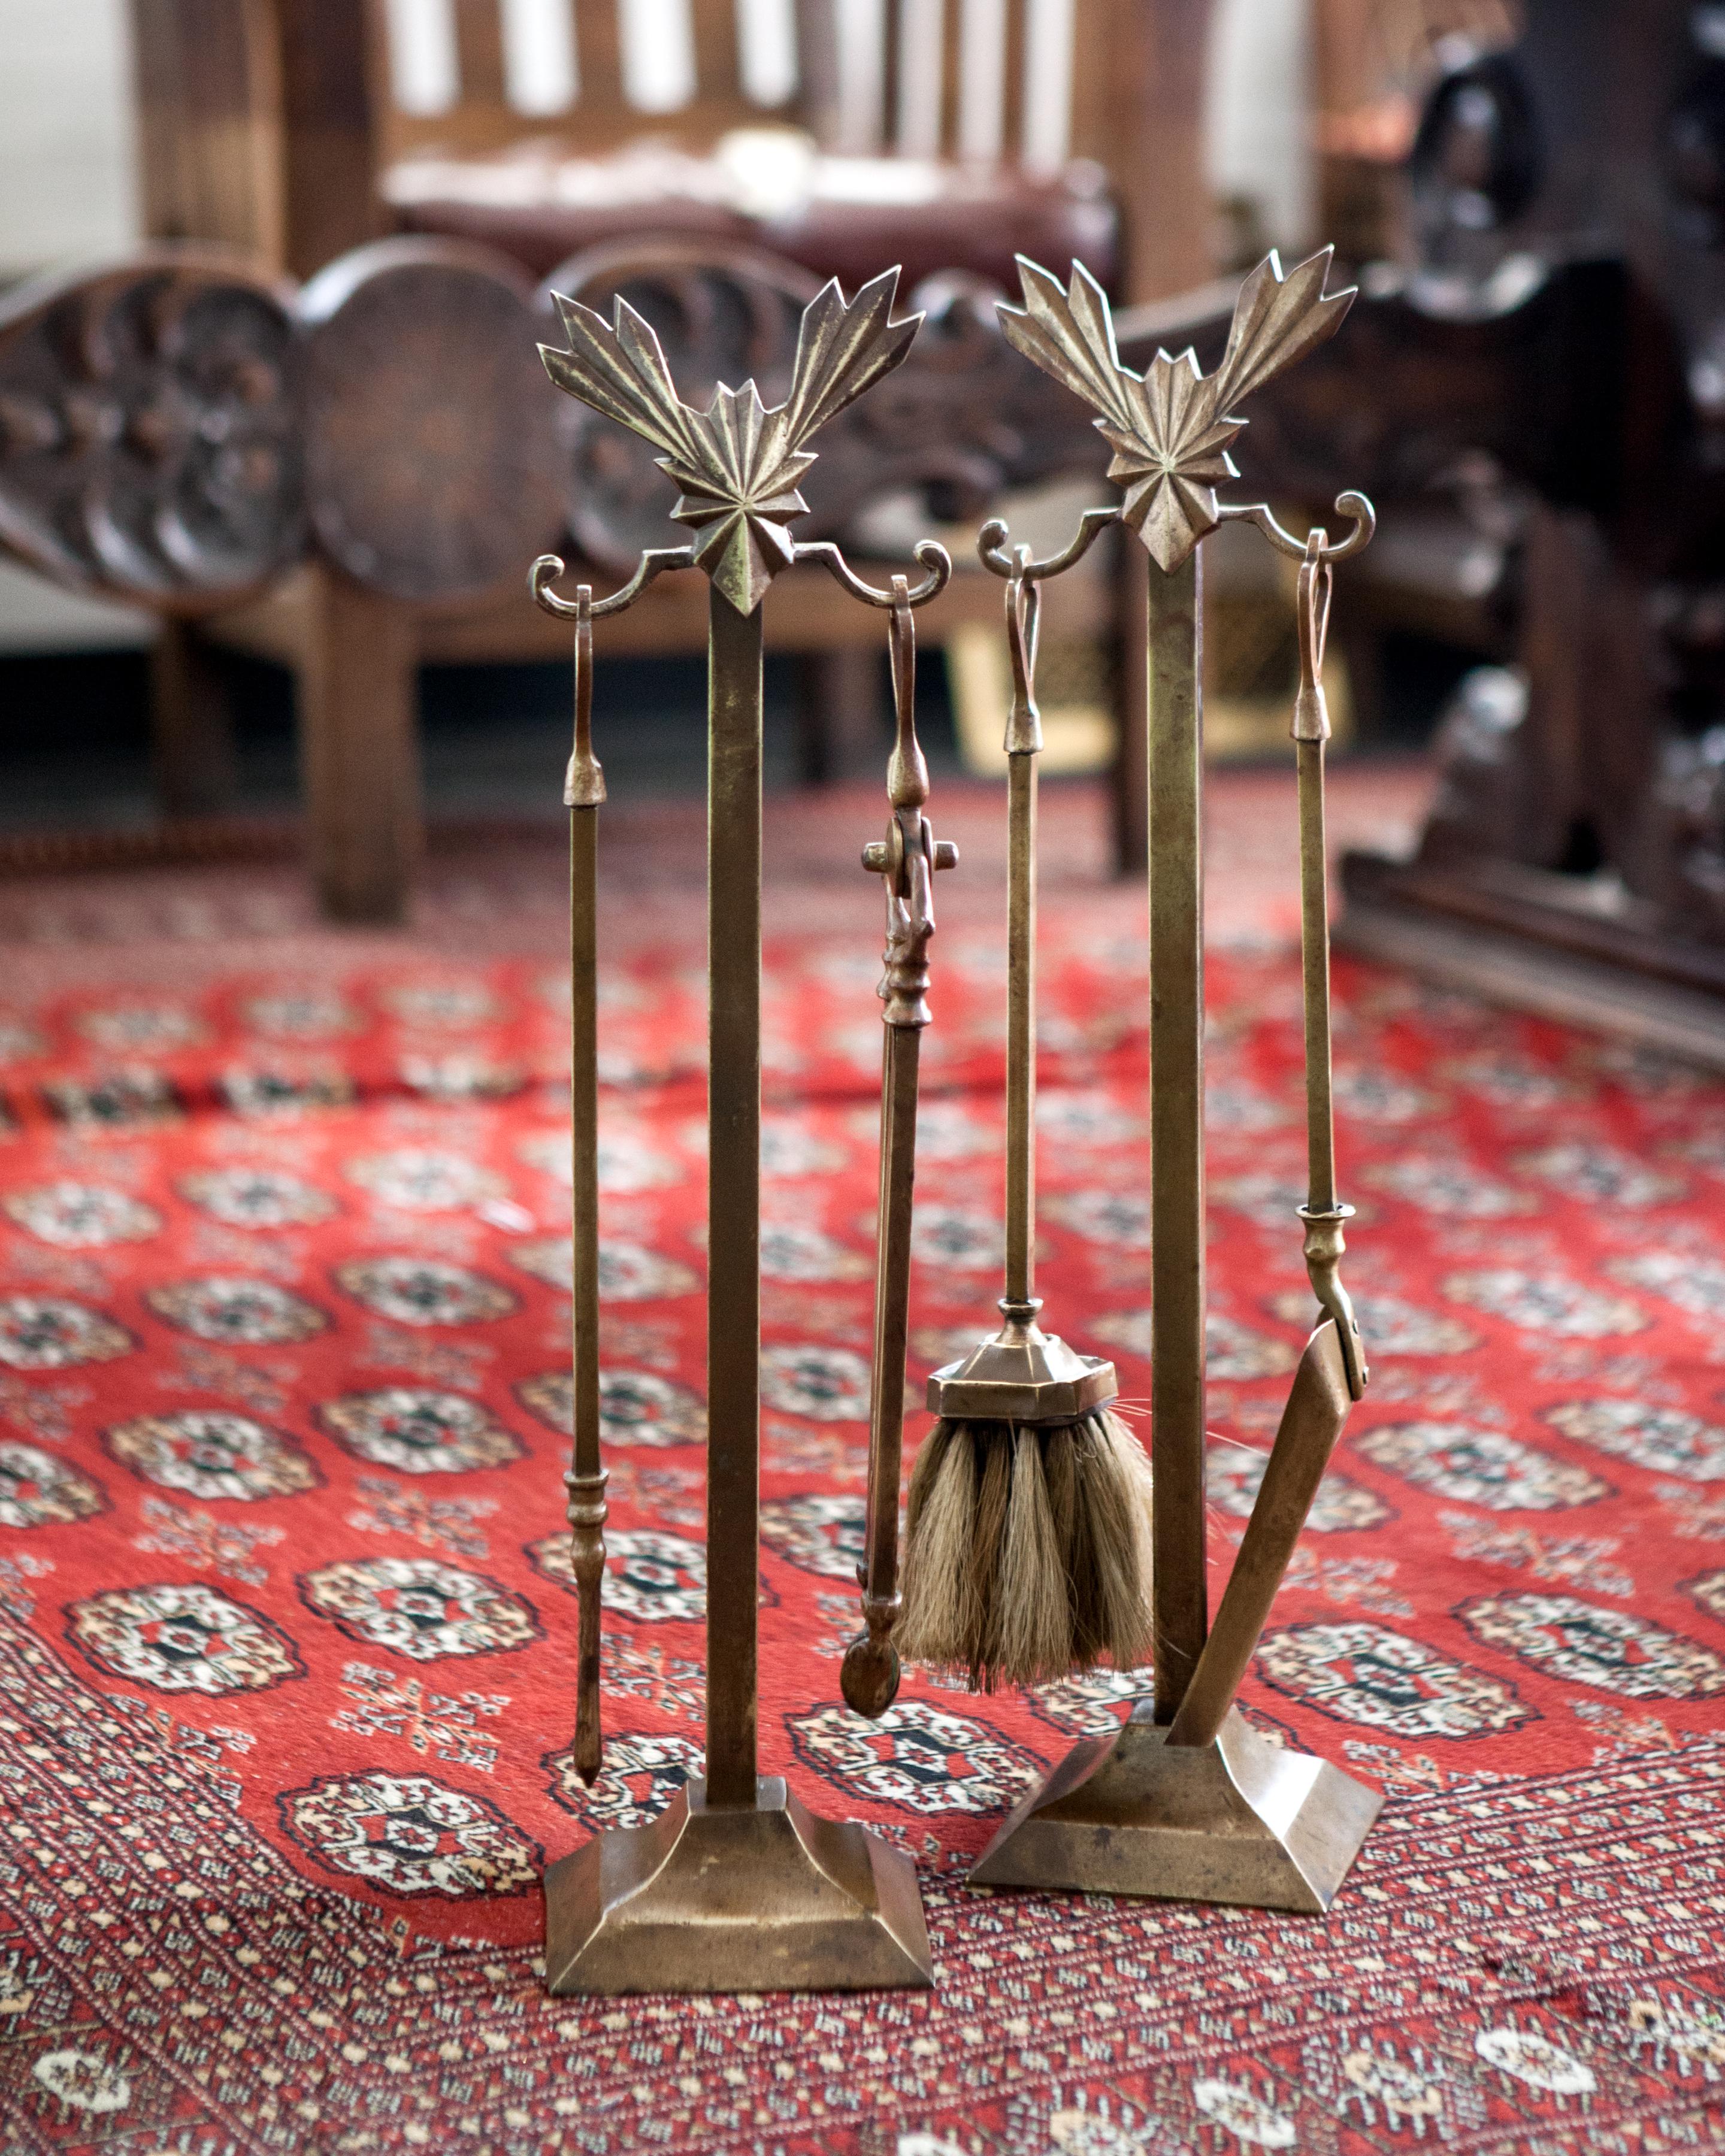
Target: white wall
{"points": [[1258, 114], [66, 178], [67, 194]]}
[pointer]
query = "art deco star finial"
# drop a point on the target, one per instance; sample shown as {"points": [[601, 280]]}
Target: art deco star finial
{"points": [[738, 462], [1171, 426]]}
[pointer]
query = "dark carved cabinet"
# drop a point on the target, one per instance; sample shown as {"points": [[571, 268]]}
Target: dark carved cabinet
{"points": [[1565, 318]]}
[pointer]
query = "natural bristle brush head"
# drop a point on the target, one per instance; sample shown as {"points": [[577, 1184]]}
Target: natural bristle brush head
{"points": [[1028, 1550]]}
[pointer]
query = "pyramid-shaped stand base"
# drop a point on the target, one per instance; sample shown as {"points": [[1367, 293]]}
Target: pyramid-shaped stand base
{"points": [[768, 1900], [1240, 1821]]}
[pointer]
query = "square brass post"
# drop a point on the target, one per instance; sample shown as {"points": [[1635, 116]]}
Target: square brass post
{"points": [[733, 1172], [1180, 1590]]}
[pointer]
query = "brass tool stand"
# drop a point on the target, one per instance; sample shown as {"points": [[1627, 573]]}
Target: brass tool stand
{"points": [[1186, 1801], [736, 1886]]}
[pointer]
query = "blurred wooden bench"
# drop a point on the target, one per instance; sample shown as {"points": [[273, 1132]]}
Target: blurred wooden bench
{"points": [[941, 134], [838, 137]]}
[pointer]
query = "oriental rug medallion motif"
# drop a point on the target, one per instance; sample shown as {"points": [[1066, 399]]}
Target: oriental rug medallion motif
{"points": [[286, 1660]]}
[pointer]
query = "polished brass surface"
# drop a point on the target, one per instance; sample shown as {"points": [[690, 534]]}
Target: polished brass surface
{"points": [[1170, 428], [1177, 1195], [583, 791], [1023, 745], [1023, 1374], [733, 1336], [736, 1887], [1355, 507], [737, 462], [1318, 1409], [585, 1480], [763, 1898], [1324, 1212], [1238, 1820], [906, 859], [1186, 1801], [546, 568]]}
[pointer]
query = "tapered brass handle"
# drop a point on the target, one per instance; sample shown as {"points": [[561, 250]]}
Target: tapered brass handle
{"points": [[906, 859], [583, 791]]}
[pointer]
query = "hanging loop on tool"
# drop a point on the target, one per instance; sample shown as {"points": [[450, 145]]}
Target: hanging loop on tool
{"points": [[1311, 714], [909, 856], [584, 780], [1023, 621], [908, 771]]}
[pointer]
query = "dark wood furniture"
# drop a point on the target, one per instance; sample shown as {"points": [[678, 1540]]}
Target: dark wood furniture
{"points": [[1575, 860], [297, 128], [1558, 340], [350, 477]]}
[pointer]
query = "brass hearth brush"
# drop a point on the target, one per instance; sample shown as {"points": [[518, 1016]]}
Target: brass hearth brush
{"points": [[1028, 1543]]}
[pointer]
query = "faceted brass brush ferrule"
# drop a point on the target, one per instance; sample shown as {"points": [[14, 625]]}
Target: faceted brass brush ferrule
{"points": [[1023, 1375]]}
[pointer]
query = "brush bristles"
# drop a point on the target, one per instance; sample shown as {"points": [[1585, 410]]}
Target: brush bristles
{"points": [[1027, 1551]]}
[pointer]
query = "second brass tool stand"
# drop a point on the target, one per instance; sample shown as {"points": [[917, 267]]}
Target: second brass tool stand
{"points": [[1186, 1800], [736, 1886]]}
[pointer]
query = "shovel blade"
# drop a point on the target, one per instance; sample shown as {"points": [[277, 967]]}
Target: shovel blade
{"points": [[1313, 1419]]}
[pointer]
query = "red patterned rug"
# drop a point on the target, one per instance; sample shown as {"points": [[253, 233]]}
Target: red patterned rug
{"points": [[288, 1633]]}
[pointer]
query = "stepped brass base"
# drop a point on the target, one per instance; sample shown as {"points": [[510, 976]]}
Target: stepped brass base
{"points": [[1240, 1821], [768, 1900]]}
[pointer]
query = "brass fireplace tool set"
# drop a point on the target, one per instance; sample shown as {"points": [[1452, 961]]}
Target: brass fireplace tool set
{"points": [[1035, 1545]]}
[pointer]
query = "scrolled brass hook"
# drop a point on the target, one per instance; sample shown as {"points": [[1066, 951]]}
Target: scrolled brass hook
{"points": [[1354, 506], [1311, 714], [546, 568], [933, 556], [991, 547]]}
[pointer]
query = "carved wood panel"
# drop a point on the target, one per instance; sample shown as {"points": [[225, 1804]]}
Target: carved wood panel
{"points": [[431, 445], [150, 445]]}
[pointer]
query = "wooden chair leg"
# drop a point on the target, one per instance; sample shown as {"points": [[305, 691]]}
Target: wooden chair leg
{"points": [[360, 751], [191, 726], [841, 715]]}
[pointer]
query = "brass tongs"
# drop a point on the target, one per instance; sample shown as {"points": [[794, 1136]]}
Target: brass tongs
{"points": [[907, 860]]}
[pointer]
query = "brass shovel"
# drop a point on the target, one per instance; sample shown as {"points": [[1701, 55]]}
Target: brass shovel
{"points": [[1332, 1373]]}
